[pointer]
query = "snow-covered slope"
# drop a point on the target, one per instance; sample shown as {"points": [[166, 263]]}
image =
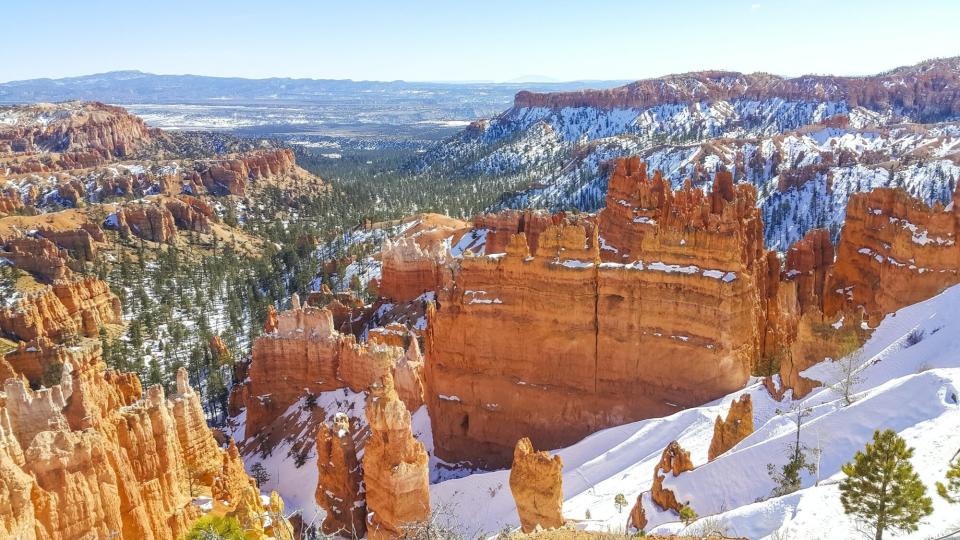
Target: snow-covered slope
{"points": [[912, 389], [805, 150]]}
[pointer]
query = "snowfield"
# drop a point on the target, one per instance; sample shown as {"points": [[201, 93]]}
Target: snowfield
{"points": [[911, 389]]}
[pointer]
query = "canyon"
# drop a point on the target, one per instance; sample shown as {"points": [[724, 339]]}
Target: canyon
{"points": [[470, 343]]}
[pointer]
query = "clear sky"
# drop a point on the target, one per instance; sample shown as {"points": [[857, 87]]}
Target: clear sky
{"points": [[470, 40]]}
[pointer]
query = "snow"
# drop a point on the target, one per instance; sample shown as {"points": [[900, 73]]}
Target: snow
{"points": [[475, 241], [911, 389], [297, 485]]}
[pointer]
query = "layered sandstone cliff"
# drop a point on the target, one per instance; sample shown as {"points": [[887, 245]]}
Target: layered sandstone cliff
{"points": [[925, 91], [231, 175], [658, 303], [66, 308], [46, 137], [894, 251], [410, 270], [536, 482], [395, 466], [304, 353]]}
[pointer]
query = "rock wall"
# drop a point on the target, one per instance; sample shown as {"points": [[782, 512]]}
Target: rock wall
{"points": [[410, 270], [39, 256], [47, 137], [894, 251], [536, 482], [148, 221], [395, 466], [230, 176], [66, 308], [305, 354], [925, 91], [660, 305]]}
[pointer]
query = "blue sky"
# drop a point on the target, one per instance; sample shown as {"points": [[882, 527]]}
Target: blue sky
{"points": [[475, 40]]}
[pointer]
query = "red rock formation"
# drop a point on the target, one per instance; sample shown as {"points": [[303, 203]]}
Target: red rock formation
{"points": [[924, 90], [537, 486], [230, 176], [305, 354], [89, 458], [674, 460], [894, 251], [10, 201], [808, 261], [38, 256], [638, 516], [67, 308], [81, 243], [218, 347], [738, 425], [270, 325], [71, 135], [409, 270], [191, 214], [662, 305], [339, 489], [148, 221], [501, 226], [395, 466]]}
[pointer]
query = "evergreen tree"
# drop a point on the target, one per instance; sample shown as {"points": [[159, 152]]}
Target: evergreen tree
{"points": [[881, 489], [259, 474], [788, 477], [951, 490], [620, 501], [216, 528]]}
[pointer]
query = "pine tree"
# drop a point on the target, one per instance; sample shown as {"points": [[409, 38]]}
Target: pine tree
{"points": [[788, 478], [951, 490], [620, 501], [881, 489], [219, 527], [259, 474]]}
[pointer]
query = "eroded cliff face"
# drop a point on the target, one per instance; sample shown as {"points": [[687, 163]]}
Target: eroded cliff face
{"points": [[395, 466], [231, 175], [924, 90], [92, 457], [410, 270], [305, 354], [658, 303], [66, 308], [894, 251], [536, 482], [47, 137]]}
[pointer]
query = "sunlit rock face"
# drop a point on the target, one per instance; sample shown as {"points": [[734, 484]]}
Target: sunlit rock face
{"points": [[658, 303]]}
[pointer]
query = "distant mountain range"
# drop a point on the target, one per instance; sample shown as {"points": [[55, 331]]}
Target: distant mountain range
{"points": [[274, 106], [140, 87]]}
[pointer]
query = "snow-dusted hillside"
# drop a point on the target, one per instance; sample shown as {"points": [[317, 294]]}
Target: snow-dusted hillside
{"points": [[911, 389], [804, 151]]}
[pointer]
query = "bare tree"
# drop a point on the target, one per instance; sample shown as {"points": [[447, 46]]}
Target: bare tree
{"points": [[849, 363]]}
